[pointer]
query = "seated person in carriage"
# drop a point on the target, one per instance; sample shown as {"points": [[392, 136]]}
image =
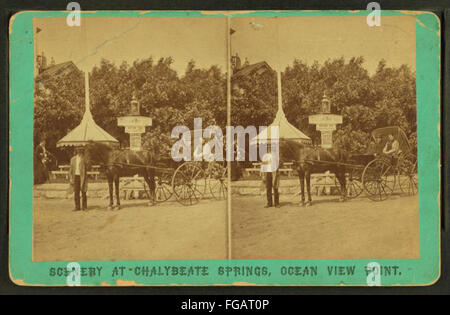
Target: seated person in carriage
{"points": [[392, 147]]}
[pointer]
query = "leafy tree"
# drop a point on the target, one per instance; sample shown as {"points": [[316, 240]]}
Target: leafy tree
{"points": [[365, 102], [162, 95], [58, 108], [254, 100], [205, 95]]}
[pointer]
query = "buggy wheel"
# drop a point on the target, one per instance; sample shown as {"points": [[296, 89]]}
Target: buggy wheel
{"points": [[163, 190], [378, 179], [353, 184], [354, 188], [189, 183], [408, 175], [218, 179]]}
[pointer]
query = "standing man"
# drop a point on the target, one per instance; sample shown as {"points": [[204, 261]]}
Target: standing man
{"points": [[40, 165], [41, 152], [78, 178], [271, 179]]}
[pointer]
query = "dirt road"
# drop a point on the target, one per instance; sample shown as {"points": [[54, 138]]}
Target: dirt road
{"points": [[136, 232], [329, 229]]}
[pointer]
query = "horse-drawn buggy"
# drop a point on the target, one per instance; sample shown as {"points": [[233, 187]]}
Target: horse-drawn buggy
{"points": [[191, 181], [379, 174], [161, 177]]}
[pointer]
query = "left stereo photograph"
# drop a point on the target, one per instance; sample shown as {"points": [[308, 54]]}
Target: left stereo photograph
{"points": [[115, 101]]}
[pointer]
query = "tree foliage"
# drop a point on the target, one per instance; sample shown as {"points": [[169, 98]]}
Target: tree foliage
{"points": [[254, 100], [169, 99], [58, 108], [366, 101]]}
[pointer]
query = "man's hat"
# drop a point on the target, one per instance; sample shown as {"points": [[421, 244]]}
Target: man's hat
{"points": [[79, 149]]}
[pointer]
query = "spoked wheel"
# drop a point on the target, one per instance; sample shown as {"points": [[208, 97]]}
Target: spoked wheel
{"points": [[163, 190], [353, 183], [218, 179], [378, 179], [408, 175], [189, 183], [354, 188]]}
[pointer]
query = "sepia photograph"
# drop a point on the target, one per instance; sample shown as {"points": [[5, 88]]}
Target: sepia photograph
{"points": [[284, 148], [107, 101], [107, 97], [342, 96]]}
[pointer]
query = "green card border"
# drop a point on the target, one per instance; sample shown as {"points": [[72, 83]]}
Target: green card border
{"points": [[422, 271]]}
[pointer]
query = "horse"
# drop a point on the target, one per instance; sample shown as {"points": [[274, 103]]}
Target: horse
{"points": [[310, 160], [115, 163]]}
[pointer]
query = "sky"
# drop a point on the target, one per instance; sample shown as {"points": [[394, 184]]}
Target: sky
{"points": [[204, 40], [129, 39], [320, 38]]}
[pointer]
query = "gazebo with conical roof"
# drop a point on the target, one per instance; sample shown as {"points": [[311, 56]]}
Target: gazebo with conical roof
{"points": [[285, 129], [87, 130]]}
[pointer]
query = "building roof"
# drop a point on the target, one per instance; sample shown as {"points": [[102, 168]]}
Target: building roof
{"points": [[285, 131], [86, 131], [56, 70], [246, 71]]}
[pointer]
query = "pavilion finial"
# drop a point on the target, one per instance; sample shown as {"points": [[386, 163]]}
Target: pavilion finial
{"points": [[87, 109], [280, 99]]}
